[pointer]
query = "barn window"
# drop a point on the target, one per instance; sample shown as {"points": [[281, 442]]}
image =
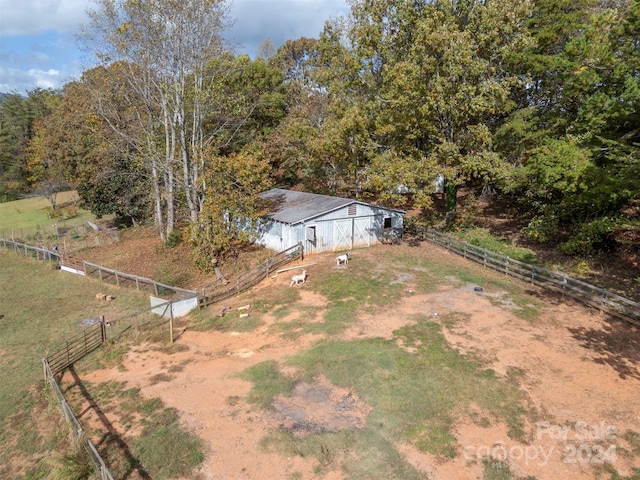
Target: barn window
{"points": [[353, 209], [387, 222], [311, 233]]}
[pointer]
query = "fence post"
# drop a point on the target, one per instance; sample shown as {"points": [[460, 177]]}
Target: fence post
{"points": [[103, 329], [171, 321]]}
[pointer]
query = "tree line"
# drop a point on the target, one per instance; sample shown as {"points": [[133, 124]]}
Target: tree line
{"points": [[537, 102]]}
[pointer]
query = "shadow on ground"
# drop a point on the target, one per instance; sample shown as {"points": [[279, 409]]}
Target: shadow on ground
{"points": [[617, 345]]}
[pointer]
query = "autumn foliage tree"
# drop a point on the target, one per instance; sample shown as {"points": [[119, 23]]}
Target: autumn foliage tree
{"points": [[232, 206]]}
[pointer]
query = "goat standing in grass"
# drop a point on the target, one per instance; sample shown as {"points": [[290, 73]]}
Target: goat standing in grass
{"points": [[340, 259], [296, 279]]}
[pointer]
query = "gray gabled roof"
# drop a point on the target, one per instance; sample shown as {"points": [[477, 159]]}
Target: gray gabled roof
{"points": [[294, 207]]}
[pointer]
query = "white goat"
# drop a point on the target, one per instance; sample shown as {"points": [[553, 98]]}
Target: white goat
{"points": [[343, 258], [296, 279]]}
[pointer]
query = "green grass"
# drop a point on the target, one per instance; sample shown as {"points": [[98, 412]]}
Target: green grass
{"points": [[415, 398], [164, 449], [268, 383], [29, 216], [362, 289], [41, 308], [496, 470], [481, 237]]}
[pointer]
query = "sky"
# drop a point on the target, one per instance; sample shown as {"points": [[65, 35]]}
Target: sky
{"points": [[38, 45]]}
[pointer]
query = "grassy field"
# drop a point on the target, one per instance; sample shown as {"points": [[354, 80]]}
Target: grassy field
{"points": [[30, 216], [40, 307]]}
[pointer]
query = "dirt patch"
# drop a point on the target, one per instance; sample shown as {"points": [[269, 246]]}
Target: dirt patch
{"points": [[568, 362], [320, 407]]}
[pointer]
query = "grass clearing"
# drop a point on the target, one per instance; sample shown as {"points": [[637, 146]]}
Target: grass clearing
{"points": [[362, 288], [416, 396], [481, 237], [32, 216], [42, 307]]}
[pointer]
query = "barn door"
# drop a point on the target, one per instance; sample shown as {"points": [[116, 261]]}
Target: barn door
{"points": [[361, 232], [342, 234]]}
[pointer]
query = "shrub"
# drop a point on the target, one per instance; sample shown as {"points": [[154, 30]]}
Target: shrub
{"points": [[174, 239], [542, 229], [591, 237]]}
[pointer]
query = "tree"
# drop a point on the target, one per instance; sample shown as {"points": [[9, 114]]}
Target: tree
{"points": [[429, 85], [164, 46], [574, 140], [232, 206], [18, 116], [267, 49]]}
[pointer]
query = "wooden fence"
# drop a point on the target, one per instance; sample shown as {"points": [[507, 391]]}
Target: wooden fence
{"points": [[595, 296], [80, 345], [39, 253], [76, 428], [253, 276], [128, 280]]}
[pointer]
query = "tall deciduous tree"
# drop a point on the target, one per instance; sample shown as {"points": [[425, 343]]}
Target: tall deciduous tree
{"points": [[232, 205], [165, 46], [433, 84]]}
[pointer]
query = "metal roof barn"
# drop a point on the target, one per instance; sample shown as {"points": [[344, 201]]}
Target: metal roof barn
{"points": [[325, 223]]}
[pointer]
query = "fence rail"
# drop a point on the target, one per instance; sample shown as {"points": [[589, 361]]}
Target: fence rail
{"points": [[39, 253], [253, 276], [595, 296], [128, 280], [77, 346], [76, 428]]}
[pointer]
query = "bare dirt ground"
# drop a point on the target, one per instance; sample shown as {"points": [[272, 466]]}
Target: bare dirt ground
{"points": [[580, 369]]}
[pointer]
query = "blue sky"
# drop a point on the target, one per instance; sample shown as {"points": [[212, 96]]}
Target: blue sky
{"points": [[38, 46]]}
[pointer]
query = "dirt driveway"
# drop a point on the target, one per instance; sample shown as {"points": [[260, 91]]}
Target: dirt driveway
{"points": [[579, 369]]}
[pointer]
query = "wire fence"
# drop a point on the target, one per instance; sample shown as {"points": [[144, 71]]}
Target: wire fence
{"points": [[130, 281], [30, 251], [590, 294], [68, 237]]}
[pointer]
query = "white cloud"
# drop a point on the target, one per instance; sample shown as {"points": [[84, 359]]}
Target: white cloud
{"points": [[28, 17], [280, 20], [37, 47], [21, 81]]}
